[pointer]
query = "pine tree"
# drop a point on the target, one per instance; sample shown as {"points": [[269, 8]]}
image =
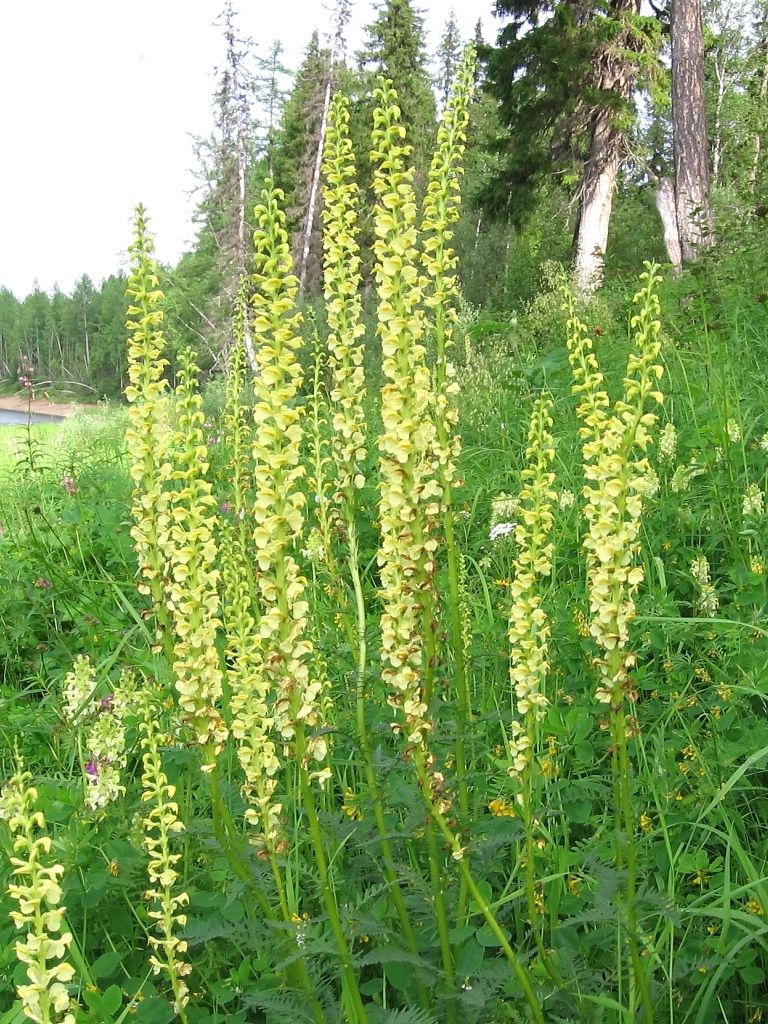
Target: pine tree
{"points": [[689, 135]]}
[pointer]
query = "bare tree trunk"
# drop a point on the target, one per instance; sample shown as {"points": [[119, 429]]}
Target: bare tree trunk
{"points": [[310, 221], [758, 136], [717, 147], [241, 247], [689, 130], [596, 204], [614, 73], [665, 204]]}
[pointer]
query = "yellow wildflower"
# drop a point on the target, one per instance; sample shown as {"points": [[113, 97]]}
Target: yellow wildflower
{"points": [[36, 890]]}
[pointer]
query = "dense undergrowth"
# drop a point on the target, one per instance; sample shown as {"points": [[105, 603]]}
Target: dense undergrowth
{"points": [[582, 840]]}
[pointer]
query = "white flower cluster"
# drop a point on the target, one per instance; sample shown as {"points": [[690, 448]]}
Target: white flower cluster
{"points": [[681, 480], [733, 430], [668, 444], [708, 601], [753, 502]]}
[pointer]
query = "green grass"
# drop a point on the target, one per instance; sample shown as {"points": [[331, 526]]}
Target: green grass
{"points": [[698, 764]]}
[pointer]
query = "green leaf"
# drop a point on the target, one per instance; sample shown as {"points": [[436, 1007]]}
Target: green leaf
{"points": [[112, 1000], [154, 1011], [577, 811], [486, 937], [752, 975], [461, 934], [106, 964], [399, 975], [470, 958], [485, 891]]}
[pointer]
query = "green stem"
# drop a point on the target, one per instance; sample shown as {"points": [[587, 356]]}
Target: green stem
{"points": [[228, 840], [229, 843], [365, 747], [442, 922], [329, 896], [485, 910], [626, 817]]}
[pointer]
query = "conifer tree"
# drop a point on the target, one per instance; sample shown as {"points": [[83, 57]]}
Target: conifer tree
{"points": [[564, 74], [448, 57], [396, 48]]}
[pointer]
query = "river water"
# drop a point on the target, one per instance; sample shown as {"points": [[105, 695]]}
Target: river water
{"points": [[8, 418]]}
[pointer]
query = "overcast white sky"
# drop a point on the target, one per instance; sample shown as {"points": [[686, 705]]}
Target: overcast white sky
{"points": [[98, 103]]}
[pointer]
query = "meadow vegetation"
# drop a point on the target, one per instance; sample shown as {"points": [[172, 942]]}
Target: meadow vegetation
{"points": [[419, 676]]}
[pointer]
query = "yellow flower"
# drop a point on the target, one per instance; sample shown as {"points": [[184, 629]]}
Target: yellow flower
{"points": [[161, 824], [37, 891], [501, 809], [617, 472]]}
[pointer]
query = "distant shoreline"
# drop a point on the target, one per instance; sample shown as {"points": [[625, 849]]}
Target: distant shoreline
{"points": [[41, 406]]}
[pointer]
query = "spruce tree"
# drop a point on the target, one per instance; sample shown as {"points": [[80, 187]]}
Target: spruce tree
{"points": [[396, 48], [448, 58]]}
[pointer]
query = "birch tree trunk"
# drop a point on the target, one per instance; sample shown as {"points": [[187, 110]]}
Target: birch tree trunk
{"points": [[315, 187], [689, 130], [666, 205], [596, 203], [614, 72]]}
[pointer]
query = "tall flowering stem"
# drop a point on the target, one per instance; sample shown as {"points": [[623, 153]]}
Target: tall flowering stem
{"points": [[616, 468], [341, 284], [278, 514], [161, 825], [37, 891], [341, 290], [410, 494], [409, 491], [147, 435], [248, 683], [441, 211], [251, 725], [192, 588], [529, 632], [342, 281]]}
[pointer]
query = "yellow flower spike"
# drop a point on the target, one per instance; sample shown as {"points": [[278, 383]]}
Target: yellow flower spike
{"points": [[278, 508], [249, 687], [408, 509], [161, 824], [147, 435], [37, 891], [616, 476], [342, 280], [192, 587], [441, 210], [615, 442], [528, 625]]}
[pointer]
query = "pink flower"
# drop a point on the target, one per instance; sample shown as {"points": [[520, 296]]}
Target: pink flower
{"points": [[69, 484], [43, 583]]}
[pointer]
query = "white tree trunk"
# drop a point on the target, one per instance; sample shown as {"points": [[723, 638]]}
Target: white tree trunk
{"points": [[665, 204], [596, 204], [314, 190]]}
